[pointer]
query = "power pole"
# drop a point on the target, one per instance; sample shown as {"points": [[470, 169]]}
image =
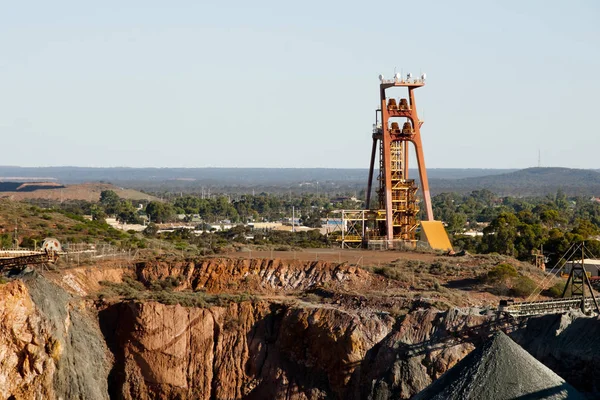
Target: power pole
{"points": [[16, 239]]}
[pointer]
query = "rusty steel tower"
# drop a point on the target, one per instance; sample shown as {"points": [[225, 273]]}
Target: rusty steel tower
{"points": [[396, 125]]}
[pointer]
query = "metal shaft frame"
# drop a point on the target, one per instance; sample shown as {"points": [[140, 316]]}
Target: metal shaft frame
{"points": [[386, 138]]}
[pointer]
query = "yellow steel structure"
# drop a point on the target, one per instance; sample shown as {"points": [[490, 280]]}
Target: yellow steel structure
{"points": [[404, 196], [353, 228], [435, 234]]}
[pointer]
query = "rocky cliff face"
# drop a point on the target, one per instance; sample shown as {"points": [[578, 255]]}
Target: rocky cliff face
{"points": [[254, 350], [264, 350], [257, 275], [83, 361], [50, 345], [27, 348]]}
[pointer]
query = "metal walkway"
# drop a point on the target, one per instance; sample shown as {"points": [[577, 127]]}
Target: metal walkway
{"points": [[41, 257], [529, 308]]}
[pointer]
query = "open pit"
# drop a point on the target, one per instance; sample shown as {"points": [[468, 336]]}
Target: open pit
{"points": [[238, 328]]}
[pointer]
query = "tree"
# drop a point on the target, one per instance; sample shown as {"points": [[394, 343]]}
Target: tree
{"points": [[551, 217], [456, 223], [160, 212], [530, 236], [110, 201], [98, 214], [127, 213], [501, 234], [311, 220], [151, 230], [585, 228]]}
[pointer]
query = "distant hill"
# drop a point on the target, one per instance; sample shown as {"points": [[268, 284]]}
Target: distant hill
{"points": [[85, 191], [527, 182], [223, 176]]}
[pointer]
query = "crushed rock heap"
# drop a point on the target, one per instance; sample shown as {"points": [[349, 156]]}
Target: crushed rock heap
{"points": [[497, 370]]}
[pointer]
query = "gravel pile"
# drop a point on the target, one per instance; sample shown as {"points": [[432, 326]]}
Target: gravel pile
{"points": [[499, 369]]}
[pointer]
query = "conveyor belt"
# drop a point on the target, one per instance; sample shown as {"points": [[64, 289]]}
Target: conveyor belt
{"points": [[41, 258], [545, 307]]}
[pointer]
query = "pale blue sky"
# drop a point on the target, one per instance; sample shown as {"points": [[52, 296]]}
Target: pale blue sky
{"points": [[294, 84]]}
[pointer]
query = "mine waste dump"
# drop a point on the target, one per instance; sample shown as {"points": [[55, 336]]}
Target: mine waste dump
{"points": [[499, 369]]}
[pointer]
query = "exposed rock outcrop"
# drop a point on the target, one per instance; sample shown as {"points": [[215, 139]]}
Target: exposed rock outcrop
{"points": [[50, 344], [258, 275], [27, 348], [83, 360]]}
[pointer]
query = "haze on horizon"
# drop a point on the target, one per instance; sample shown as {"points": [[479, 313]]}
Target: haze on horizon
{"points": [[272, 84]]}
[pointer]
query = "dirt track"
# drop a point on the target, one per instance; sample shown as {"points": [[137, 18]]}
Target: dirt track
{"points": [[359, 257]]}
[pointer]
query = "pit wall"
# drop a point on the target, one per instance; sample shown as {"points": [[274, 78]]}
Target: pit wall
{"points": [[51, 346], [260, 350]]}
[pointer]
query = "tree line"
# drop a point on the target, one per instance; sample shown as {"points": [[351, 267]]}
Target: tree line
{"points": [[516, 226], [511, 226]]}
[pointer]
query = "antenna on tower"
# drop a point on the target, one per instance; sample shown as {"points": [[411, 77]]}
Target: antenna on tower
{"points": [[539, 158]]}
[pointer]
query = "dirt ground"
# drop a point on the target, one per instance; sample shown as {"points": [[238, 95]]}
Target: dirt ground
{"points": [[352, 256], [84, 191]]}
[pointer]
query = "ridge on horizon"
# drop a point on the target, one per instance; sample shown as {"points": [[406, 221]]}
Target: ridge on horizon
{"points": [[296, 168], [532, 181]]}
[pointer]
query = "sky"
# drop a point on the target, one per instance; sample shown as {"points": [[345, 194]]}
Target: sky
{"points": [[295, 84]]}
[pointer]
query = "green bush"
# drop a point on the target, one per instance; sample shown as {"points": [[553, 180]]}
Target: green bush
{"points": [[312, 298], [439, 268], [557, 289], [523, 286], [30, 242], [501, 273], [78, 227], [6, 240], [168, 284], [393, 273]]}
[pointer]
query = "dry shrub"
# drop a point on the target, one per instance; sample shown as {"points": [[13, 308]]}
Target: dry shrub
{"points": [[501, 273], [523, 286], [130, 289], [393, 273], [557, 289], [505, 280]]}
